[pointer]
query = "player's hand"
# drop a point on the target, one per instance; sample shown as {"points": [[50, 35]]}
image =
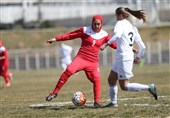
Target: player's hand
{"points": [[135, 51], [104, 46], [136, 60], [51, 40]]}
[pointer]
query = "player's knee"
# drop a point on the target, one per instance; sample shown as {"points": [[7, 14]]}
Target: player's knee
{"points": [[123, 87], [68, 73], [96, 81], [70, 70], [111, 82]]}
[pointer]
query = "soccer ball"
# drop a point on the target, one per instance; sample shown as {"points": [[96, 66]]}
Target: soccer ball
{"points": [[79, 98]]}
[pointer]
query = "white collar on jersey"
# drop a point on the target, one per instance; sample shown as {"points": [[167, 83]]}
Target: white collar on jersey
{"points": [[2, 49], [95, 35]]}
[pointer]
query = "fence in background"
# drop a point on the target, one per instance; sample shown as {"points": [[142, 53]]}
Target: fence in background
{"points": [[45, 58]]}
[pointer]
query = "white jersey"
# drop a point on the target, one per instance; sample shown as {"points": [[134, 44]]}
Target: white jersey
{"points": [[125, 35], [65, 53]]}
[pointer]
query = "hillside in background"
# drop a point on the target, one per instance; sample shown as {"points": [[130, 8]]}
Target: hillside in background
{"points": [[36, 38]]}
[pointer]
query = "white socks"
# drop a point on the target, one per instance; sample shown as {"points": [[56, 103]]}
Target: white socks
{"points": [[136, 87], [113, 90]]}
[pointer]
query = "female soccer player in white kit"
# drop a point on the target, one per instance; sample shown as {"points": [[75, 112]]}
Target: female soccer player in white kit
{"points": [[65, 55], [125, 34]]}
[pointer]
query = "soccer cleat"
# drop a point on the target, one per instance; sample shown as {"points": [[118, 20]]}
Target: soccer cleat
{"points": [[97, 105], [152, 90], [51, 96], [112, 105]]}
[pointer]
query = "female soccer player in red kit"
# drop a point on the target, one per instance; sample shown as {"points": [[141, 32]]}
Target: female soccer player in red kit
{"points": [[87, 58], [4, 64]]}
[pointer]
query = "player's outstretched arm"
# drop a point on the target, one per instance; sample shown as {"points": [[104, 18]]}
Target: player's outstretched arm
{"points": [[51, 40]]}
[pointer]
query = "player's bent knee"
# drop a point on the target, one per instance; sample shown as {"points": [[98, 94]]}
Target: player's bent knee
{"points": [[68, 73], [124, 88]]}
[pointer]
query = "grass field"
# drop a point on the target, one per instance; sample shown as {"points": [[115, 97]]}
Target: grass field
{"points": [[31, 87]]}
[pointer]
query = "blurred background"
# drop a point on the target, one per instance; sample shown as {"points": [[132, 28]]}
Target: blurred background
{"points": [[25, 25], [41, 13]]}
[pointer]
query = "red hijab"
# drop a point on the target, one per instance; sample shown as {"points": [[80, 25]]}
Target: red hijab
{"points": [[99, 17]]}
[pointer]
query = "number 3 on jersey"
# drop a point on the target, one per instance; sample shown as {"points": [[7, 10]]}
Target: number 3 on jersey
{"points": [[130, 34]]}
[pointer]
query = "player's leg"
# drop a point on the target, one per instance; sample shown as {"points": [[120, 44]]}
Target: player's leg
{"points": [[113, 89], [125, 85], [94, 77], [7, 81], [62, 80], [5, 75], [10, 76], [70, 70], [125, 74]]}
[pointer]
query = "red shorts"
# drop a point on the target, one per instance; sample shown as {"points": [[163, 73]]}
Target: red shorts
{"points": [[91, 68], [3, 69]]}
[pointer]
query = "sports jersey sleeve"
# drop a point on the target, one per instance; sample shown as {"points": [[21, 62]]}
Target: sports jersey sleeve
{"points": [[140, 44], [113, 44], [113, 39], [71, 35], [118, 30]]}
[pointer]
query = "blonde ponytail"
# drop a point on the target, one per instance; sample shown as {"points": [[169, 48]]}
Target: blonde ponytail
{"points": [[139, 14]]}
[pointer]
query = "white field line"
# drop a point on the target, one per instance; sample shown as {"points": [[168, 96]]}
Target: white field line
{"points": [[152, 105], [90, 103], [142, 98]]}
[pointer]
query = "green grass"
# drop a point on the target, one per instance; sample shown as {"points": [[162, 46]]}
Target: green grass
{"points": [[31, 87]]}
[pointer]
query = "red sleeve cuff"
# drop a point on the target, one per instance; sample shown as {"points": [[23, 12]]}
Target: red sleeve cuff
{"points": [[58, 38]]}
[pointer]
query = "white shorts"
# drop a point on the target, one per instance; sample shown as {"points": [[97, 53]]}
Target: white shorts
{"points": [[123, 69]]}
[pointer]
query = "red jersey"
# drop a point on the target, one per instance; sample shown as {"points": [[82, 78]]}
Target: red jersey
{"points": [[3, 56], [91, 42]]}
